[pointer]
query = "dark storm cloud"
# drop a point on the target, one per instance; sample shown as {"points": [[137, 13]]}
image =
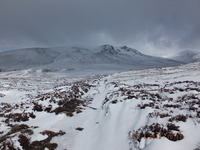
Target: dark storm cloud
{"points": [[153, 26]]}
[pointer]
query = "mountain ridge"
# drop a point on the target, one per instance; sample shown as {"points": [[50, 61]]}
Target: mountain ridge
{"points": [[105, 58]]}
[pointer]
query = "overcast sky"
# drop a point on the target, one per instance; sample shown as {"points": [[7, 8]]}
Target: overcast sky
{"points": [[156, 27]]}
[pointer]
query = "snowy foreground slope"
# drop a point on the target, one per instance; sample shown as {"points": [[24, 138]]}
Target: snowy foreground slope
{"points": [[149, 109]]}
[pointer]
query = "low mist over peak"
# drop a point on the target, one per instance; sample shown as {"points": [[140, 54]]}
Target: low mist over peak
{"points": [[187, 56], [155, 27]]}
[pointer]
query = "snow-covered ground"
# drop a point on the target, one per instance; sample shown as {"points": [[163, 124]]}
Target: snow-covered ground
{"points": [[148, 109]]}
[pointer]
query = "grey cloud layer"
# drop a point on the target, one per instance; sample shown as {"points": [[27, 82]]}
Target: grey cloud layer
{"points": [[158, 24]]}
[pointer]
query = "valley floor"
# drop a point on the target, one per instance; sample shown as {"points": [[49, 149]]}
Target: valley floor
{"points": [[148, 109]]}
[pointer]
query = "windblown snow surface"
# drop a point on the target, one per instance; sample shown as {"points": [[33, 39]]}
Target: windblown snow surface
{"points": [[149, 109]]}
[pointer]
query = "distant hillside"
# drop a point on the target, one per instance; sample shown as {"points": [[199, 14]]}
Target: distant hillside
{"points": [[187, 56], [102, 59]]}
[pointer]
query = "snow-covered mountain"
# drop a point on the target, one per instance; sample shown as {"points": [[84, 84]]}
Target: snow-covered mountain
{"points": [[187, 56], [150, 109], [75, 60], [26, 58]]}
